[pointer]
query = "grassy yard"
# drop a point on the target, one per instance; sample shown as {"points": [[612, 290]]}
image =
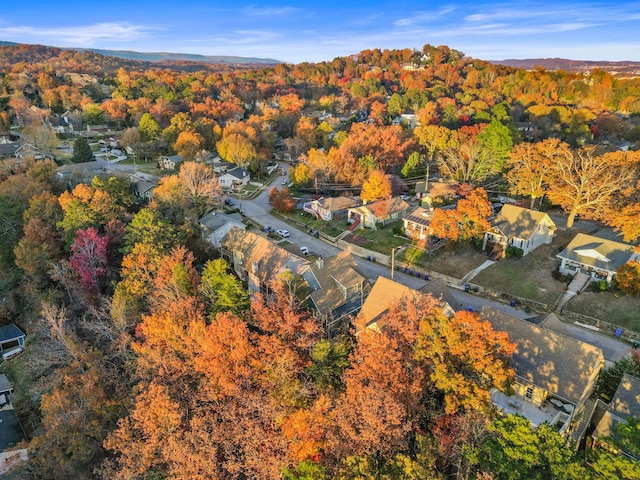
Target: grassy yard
{"points": [[613, 307], [530, 276], [381, 240], [455, 261]]}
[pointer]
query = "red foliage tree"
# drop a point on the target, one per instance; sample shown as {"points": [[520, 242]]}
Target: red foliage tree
{"points": [[89, 258]]}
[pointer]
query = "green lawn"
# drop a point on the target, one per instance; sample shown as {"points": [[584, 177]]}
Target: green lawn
{"points": [[455, 261], [381, 240], [613, 307]]}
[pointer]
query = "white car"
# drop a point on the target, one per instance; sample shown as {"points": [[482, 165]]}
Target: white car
{"points": [[304, 250], [283, 233], [405, 197]]}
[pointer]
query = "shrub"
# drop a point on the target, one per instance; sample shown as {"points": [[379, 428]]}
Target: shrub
{"points": [[398, 230], [514, 252]]}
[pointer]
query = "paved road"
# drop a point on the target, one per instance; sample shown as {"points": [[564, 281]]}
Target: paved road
{"points": [[258, 210]]}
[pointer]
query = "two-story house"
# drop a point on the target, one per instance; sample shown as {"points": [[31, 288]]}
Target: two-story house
{"points": [[555, 375], [258, 260], [338, 288], [169, 163]]}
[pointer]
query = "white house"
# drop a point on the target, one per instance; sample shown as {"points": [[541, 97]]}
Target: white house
{"points": [[519, 227], [235, 178], [599, 255]]}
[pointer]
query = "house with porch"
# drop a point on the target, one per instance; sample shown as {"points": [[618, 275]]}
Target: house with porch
{"points": [[380, 212], [518, 227], [235, 178], [338, 288], [170, 163], [331, 208], [555, 375], [11, 337], [417, 223], [598, 256], [257, 260]]}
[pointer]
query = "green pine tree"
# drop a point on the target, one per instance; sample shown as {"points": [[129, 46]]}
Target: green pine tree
{"points": [[82, 151]]}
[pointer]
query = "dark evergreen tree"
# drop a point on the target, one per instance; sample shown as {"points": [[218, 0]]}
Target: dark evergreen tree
{"points": [[82, 151]]}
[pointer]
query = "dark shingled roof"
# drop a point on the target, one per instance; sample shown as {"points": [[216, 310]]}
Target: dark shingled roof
{"points": [[341, 268], [560, 365], [10, 332]]}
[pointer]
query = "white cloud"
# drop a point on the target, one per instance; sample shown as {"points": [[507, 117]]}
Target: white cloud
{"points": [[86, 35], [270, 11]]}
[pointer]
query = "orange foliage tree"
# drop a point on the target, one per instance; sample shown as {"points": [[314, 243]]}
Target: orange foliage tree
{"points": [[377, 186]]}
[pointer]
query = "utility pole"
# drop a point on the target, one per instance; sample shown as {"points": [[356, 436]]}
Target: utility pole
{"points": [[393, 259]]}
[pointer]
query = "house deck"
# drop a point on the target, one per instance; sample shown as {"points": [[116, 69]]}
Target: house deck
{"points": [[536, 415]]}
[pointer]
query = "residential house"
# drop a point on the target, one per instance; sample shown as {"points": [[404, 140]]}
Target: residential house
{"points": [[527, 129], [11, 337], [380, 212], [215, 225], [8, 150], [417, 223], [63, 125], [5, 390], [234, 179], [143, 185], [97, 129], [408, 119], [555, 375], [518, 227], [257, 260], [386, 293], [26, 150], [624, 405], [338, 288], [599, 255], [76, 173], [170, 163], [331, 208]]}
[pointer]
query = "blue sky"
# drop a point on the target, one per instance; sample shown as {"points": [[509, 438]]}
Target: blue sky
{"points": [[316, 31]]}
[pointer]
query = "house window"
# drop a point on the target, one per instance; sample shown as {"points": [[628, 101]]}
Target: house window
{"points": [[529, 393]]}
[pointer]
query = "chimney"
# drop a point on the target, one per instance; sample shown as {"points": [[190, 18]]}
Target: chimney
{"points": [[320, 263], [254, 267]]}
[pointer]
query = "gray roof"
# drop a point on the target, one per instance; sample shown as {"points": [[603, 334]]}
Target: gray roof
{"points": [[237, 172], [558, 364], [8, 148], [518, 222], [626, 401], [624, 404], [5, 385], [341, 268], [214, 220], [439, 289], [599, 253], [10, 332], [419, 216], [269, 258], [11, 432]]}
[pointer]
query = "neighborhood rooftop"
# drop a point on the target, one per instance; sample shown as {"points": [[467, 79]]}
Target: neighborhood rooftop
{"points": [[558, 364]]}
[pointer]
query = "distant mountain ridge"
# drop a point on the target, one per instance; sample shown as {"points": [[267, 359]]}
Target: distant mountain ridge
{"points": [[620, 68], [163, 56]]}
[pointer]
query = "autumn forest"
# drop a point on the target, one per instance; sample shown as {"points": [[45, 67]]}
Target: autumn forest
{"points": [[147, 358]]}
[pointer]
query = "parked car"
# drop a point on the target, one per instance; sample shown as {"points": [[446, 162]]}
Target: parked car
{"points": [[304, 250], [405, 197], [283, 233], [229, 202]]}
